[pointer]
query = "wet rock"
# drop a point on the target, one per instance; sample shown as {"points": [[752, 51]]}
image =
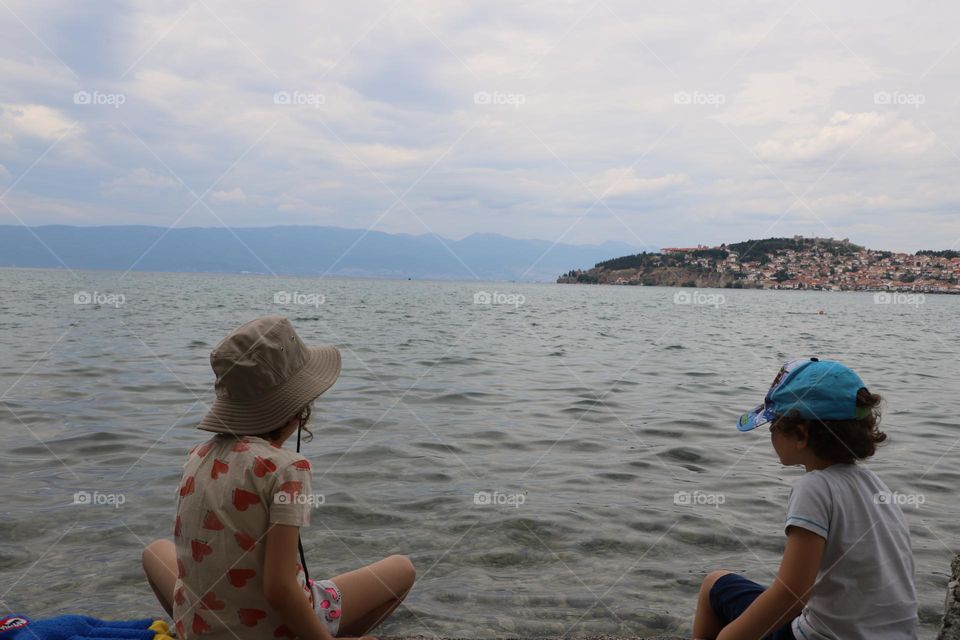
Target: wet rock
{"points": [[950, 629]]}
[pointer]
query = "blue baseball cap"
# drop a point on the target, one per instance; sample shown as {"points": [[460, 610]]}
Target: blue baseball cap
{"points": [[813, 389]]}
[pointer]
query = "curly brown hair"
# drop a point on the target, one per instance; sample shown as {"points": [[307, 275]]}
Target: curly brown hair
{"points": [[304, 415], [840, 441]]}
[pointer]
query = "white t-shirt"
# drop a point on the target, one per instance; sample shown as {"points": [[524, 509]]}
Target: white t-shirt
{"points": [[864, 587]]}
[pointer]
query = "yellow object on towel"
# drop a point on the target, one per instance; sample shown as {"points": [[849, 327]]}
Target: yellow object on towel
{"points": [[162, 629]]}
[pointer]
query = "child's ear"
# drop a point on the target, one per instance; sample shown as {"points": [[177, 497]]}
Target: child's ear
{"points": [[802, 434]]}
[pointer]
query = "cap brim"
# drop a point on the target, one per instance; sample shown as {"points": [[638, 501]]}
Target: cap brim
{"points": [[273, 411], [753, 419]]}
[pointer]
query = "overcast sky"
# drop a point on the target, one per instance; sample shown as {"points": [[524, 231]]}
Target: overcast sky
{"points": [[658, 124]]}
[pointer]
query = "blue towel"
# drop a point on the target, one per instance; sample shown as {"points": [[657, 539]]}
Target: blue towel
{"points": [[21, 627]]}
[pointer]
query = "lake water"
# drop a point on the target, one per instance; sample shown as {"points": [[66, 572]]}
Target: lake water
{"points": [[583, 416]]}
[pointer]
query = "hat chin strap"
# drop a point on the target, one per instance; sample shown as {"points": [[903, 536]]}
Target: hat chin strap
{"points": [[303, 560]]}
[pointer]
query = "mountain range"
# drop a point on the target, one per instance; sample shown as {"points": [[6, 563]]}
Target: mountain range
{"points": [[295, 250]]}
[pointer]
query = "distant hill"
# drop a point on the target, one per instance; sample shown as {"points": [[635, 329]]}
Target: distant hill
{"points": [[781, 263], [294, 250]]}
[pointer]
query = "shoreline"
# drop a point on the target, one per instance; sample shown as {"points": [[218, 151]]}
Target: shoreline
{"points": [[683, 287]]}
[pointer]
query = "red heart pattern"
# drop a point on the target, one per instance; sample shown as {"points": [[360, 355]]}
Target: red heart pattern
{"points": [[187, 487], [232, 473], [242, 499], [250, 617], [246, 542], [219, 466], [263, 466], [200, 550], [293, 488], [239, 577], [200, 625], [212, 522], [210, 601]]}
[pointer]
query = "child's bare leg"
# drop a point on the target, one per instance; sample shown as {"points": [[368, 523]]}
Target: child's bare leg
{"points": [[370, 594], [706, 625], [160, 565]]}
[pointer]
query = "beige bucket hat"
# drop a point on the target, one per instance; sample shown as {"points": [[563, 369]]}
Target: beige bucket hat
{"points": [[265, 374]]}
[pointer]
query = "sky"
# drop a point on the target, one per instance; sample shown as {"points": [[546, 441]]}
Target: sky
{"points": [[656, 124]]}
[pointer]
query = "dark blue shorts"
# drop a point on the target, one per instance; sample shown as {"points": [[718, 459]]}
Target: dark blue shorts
{"points": [[732, 594]]}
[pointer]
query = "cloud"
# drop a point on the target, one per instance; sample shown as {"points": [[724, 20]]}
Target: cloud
{"points": [[620, 182], [880, 137], [138, 184], [231, 196], [144, 178], [36, 121], [399, 116]]}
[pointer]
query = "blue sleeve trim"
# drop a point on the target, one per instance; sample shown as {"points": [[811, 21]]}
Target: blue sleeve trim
{"points": [[806, 521]]}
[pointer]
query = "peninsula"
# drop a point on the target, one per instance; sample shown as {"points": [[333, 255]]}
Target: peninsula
{"points": [[781, 263]]}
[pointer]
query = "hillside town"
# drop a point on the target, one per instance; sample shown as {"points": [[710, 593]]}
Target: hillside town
{"points": [[783, 263]]}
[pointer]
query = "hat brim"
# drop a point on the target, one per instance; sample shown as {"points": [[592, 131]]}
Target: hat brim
{"points": [[274, 410], [753, 419]]}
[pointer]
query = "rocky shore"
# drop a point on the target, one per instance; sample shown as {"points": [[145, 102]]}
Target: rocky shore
{"points": [[950, 629]]}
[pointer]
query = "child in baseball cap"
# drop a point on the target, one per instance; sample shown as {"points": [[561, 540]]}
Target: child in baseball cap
{"points": [[847, 569]]}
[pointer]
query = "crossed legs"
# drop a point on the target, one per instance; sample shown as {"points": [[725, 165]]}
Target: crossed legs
{"points": [[368, 595]]}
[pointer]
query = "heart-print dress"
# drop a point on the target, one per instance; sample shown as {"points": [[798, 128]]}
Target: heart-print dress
{"points": [[231, 491]]}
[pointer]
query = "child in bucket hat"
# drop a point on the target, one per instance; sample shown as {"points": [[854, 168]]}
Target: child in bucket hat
{"points": [[847, 569], [232, 570]]}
